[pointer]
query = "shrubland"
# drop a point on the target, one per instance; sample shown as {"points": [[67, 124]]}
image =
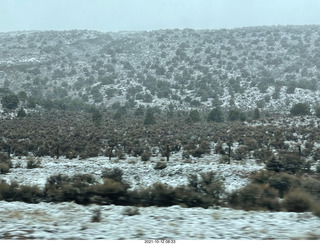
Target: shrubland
{"points": [[289, 182]]}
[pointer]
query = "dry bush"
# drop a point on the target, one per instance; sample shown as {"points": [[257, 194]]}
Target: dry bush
{"points": [[203, 148], [96, 215], [112, 192], [61, 188], [114, 174], [250, 143], [262, 154], [4, 158], [316, 209], [56, 181], [316, 154], [262, 177], [160, 165], [5, 163], [255, 197], [224, 159], [156, 195], [131, 211], [274, 164], [312, 186], [145, 156], [4, 168], [297, 201], [6, 191], [163, 195], [241, 152], [29, 194], [33, 163], [14, 192]]}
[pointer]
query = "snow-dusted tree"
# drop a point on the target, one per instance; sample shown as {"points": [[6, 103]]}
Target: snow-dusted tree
{"points": [[215, 115], [300, 109], [10, 101], [149, 119]]}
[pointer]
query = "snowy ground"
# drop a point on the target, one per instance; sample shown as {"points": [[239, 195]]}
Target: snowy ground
{"points": [[71, 221], [136, 172]]}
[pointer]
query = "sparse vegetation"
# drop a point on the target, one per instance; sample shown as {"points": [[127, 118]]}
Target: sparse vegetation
{"points": [[33, 163], [298, 201], [195, 101]]}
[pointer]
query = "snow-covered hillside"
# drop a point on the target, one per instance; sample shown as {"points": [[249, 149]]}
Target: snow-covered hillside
{"points": [[267, 67]]}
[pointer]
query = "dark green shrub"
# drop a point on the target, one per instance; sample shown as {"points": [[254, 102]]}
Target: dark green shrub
{"points": [[21, 113], [287, 161], [193, 117], [236, 114], [198, 152], [317, 111], [300, 109], [208, 184], [149, 118], [215, 115], [256, 114], [318, 168], [284, 182], [10, 101], [297, 201], [292, 162], [316, 154]]}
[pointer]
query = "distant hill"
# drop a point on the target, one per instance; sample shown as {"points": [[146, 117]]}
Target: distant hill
{"points": [[271, 68]]}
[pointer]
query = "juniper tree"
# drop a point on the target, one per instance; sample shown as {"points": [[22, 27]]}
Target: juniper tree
{"points": [[215, 115], [149, 119], [300, 109]]}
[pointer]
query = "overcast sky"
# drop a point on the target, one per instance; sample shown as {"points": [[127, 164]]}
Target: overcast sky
{"points": [[123, 15]]}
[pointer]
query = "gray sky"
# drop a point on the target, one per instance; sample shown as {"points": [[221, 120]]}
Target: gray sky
{"points": [[122, 15]]}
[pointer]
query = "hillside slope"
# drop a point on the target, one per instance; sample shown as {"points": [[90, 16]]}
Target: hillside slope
{"points": [[267, 67]]}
